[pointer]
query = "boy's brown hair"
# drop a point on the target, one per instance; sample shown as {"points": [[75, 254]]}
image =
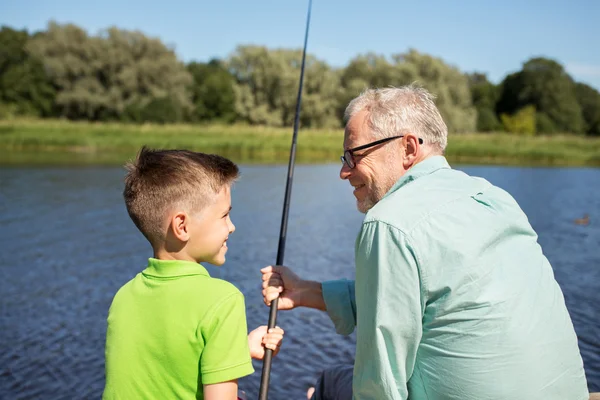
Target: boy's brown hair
{"points": [[160, 180]]}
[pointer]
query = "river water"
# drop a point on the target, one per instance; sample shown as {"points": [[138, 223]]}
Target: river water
{"points": [[67, 245]]}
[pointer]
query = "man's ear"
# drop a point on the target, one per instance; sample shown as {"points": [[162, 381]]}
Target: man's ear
{"points": [[179, 225], [411, 150]]}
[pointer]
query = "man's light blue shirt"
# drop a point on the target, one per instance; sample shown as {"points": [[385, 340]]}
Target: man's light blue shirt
{"points": [[454, 298]]}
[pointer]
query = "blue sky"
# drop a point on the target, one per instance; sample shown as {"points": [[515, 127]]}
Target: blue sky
{"points": [[494, 37]]}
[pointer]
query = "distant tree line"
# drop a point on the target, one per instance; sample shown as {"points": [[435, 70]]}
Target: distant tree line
{"points": [[120, 75]]}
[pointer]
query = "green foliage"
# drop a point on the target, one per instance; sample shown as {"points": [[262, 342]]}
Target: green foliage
{"points": [[160, 110], [522, 122], [120, 75], [450, 86], [267, 86], [484, 95], [487, 121], [544, 84], [543, 124], [213, 92], [98, 77], [7, 111], [23, 82], [589, 101], [56, 142]]}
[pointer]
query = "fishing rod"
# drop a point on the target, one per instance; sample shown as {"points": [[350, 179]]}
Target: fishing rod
{"points": [[266, 370]]}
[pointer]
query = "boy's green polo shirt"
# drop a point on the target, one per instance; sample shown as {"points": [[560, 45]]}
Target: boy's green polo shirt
{"points": [[172, 329]]}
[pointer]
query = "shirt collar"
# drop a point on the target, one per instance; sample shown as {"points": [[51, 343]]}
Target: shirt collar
{"points": [[173, 268], [425, 167]]}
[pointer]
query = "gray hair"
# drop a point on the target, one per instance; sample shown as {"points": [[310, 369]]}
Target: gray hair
{"points": [[395, 111]]}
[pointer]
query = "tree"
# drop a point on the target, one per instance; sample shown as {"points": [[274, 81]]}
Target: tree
{"points": [[450, 86], [589, 101], [213, 92], [544, 84], [368, 71], [100, 77], [267, 86], [23, 81], [484, 95], [447, 83]]}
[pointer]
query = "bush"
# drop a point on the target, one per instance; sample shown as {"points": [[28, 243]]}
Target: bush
{"points": [[7, 111], [162, 110], [522, 122], [487, 121], [543, 124]]}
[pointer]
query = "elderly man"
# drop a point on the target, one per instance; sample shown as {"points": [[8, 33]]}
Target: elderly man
{"points": [[453, 297]]}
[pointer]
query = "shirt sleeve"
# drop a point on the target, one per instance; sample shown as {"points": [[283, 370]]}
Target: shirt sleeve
{"points": [[226, 355], [341, 304], [388, 297]]}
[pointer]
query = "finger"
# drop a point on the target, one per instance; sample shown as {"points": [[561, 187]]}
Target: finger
{"points": [[271, 294], [275, 281], [266, 299], [276, 350], [267, 269], [272, 346], [272, 289], [267, 276], [273, 340], [272, 337], [272, 282]]}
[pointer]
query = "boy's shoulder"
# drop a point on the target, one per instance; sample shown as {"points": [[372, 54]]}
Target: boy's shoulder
{"points": [[127, 287], [220, 288], [205, 289]]}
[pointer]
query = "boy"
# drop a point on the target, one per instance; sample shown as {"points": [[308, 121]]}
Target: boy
{"points": [[173, 331]]}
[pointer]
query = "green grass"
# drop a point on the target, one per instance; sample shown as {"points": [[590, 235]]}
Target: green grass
{"points": [[57, 142]]}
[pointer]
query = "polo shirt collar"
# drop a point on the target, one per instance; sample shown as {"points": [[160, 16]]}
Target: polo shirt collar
{"points": [[425, 167], [173, 268]]}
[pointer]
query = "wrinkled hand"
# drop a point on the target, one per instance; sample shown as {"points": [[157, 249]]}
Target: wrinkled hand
{"points": [[280, 281], [260, 338]]}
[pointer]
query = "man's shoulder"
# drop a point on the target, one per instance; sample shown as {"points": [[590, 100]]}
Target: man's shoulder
{"points": [[419, 200]]}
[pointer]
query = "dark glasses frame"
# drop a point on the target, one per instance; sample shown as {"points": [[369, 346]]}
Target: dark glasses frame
{"points": [[348, 157]]}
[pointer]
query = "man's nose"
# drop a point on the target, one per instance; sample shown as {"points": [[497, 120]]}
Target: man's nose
{"points": [[345, 172]]}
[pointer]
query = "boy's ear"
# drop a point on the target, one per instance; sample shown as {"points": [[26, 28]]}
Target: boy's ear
{"points": [[180, 226]]}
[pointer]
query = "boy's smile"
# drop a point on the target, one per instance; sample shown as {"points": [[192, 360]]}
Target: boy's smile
{"points": [[210, 230]]}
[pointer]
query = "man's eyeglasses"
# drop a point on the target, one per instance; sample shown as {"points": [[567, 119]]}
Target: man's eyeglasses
{"points": [[348, 157]]}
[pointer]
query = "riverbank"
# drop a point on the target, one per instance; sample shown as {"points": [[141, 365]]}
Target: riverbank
{"points": [[54, 142]]}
